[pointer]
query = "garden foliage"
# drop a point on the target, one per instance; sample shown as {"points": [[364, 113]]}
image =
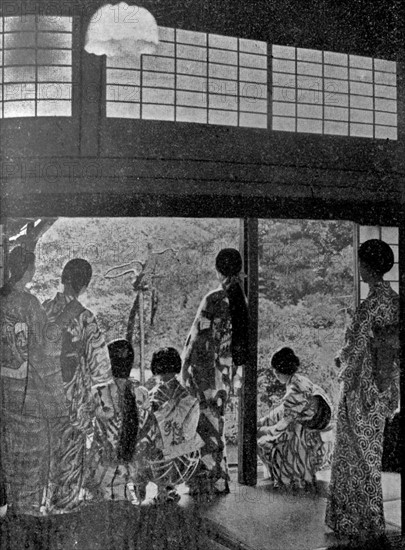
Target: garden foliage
{"points": [[305, 284]]}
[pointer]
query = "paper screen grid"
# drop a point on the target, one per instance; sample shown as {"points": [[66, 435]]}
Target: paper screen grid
{"points": [[332, 93], [193, 77], [203, 78], [36, 66]]}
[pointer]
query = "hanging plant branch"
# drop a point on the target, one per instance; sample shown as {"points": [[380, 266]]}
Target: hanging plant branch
{"points": [[145, 272], [26, 232]]}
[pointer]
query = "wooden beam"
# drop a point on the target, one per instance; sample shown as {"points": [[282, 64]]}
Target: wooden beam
{"points": [[66, 175], [247, 455], [237, 150], [402, 356], [121, 138], [196, 206]]}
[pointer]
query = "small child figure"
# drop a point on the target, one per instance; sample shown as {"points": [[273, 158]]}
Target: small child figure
{"points": [[115, 439], [168, 448]]}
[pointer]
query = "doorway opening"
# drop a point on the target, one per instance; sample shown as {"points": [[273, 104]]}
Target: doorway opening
{"points": [[306, 293]]}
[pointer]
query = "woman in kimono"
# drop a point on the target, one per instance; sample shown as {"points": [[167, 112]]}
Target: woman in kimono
{"points": [[215, 352], [87, 379], [32, 398], [369, 394], [291, 440]]}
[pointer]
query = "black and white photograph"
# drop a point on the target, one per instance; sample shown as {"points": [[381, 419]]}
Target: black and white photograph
{"points": [[202, 274]]}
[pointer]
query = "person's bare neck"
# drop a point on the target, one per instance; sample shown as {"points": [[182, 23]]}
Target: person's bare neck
{"points": [[374, 279], [68, 290]]}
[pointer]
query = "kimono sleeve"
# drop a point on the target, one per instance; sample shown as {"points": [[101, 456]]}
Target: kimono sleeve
{"points": [[3, 493], [143, 404], [357, 334], [201, 322], [37, 320], [294, 403], [275, 414], [196, 350], [96, 352]]}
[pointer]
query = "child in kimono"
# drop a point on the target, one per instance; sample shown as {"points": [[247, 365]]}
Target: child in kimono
{"points": [[168, 448], [115, 439]]}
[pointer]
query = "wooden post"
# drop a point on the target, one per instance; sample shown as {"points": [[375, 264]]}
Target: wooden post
{"points": [[356, 273], [90, 100], [247, 455], [401, 270], [141, 337], [401, 266]]}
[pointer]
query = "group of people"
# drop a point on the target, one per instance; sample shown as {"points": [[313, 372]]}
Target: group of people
{"points": [[75, 426], [293, 438]]}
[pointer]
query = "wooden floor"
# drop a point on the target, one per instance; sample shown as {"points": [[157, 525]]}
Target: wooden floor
{"points": [[261, 518], [109, 526], [249, 518]]}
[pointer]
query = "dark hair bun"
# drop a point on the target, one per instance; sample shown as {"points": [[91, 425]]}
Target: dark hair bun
{"points": [[121, 357], [377, 254], [285, 361], [228, 262], [78, 273], [165, 361]]}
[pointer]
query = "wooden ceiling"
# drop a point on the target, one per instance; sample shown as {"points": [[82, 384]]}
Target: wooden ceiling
{"points": [[90, 165]]}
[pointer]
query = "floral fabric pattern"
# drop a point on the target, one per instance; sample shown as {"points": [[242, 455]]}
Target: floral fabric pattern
{"points": [[32, 402], [355, 505], [77, 428]]}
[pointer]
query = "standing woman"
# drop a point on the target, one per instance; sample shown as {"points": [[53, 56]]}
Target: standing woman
{"points": [[369, 395], [216, 350], [32, 395], [87, 380]]}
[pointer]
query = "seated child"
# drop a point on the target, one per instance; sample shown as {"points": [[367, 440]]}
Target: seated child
{"points": [[114, 440], [168, 448]]}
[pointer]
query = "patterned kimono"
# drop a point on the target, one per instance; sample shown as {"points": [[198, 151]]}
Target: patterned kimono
{"points": [[168, 448], [108, 478], [207, 372], [355, 505], [92, 371], [293, 449], [32, 402]]}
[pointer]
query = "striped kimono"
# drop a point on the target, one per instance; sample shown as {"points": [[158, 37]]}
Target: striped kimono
{"points": [[291, 448], [32, 403], [93, 370], [108, 477]]}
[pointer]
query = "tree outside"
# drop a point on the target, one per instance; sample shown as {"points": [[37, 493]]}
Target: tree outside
{"points": [[305, 294]]}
